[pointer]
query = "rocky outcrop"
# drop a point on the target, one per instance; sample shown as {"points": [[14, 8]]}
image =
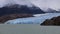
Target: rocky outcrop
{"points": [[52, 21], [13, 16]]}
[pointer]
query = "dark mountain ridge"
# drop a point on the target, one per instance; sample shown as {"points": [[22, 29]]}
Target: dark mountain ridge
{"points": [[15, 9]]}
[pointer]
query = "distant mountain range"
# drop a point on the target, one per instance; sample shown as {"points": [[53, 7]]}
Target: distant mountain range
{"points": [[12, 9], [49, 10]]}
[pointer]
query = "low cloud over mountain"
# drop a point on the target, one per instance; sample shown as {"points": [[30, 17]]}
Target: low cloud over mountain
{"points": [[14, 9], [42, 4]]}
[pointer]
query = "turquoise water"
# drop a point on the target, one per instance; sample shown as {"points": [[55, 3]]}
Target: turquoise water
{"points": [[33, 20]]}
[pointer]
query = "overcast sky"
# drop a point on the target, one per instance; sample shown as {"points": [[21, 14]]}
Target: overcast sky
{"points": [[43, 4]]}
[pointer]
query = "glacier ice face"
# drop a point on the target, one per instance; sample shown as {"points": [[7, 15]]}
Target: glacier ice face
{"points": [[33, 20]]}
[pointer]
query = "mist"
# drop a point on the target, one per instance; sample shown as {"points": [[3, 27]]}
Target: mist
{"points": [[42, 4]]}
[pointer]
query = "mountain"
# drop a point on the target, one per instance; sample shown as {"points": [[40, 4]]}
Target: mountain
{"points": [[49, 10], [12, 9]]}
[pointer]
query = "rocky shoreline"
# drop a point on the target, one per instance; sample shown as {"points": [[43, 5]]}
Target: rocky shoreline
{"points": [[13, 16]]}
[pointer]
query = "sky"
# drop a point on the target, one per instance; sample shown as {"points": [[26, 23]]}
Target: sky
{"points": [[43, 4]]}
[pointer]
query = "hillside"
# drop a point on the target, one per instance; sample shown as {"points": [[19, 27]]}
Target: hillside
{"points": [[53, 21], [13, 16]]}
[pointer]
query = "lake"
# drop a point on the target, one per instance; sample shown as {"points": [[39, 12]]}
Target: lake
{"points": [[28, 29]]}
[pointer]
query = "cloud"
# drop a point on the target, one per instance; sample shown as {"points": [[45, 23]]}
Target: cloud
{"points": [[21, 2], [43, 4]]}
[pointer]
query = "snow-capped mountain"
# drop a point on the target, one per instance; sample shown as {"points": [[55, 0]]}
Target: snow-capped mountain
{"points": [[50, 10]]}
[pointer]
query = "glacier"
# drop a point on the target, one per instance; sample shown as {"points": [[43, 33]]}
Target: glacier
{"points": [[33, 20]]}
